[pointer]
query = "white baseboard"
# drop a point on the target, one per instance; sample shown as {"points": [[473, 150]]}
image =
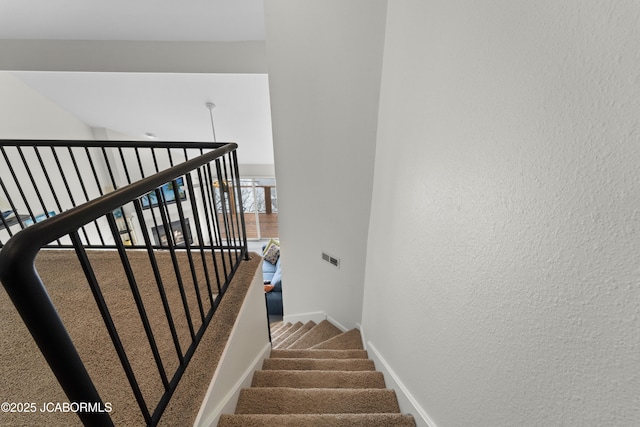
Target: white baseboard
{"points": [[337, 324], [408, 403], [316, 316], [228, 403]]}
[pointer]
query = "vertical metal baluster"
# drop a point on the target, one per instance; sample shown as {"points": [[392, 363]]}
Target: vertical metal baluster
{"points": [[48, 179], [203, 183], [108, 164], [227, 214], [196, 217], [186, 234], [235, 229], [244, 228], [159, 282], [153, 215], [176, 266], [20, 190], [53, 192], [217, 225], [155, 160], [126, 172], [93, 169], [19, 187], [95, 176], [139, 162], [126, 265], [170, 231], [198, 224], [155, 222], [35, 187], [66, 185], [170, 157], [84, 190], [13, 208], [108, 320]]}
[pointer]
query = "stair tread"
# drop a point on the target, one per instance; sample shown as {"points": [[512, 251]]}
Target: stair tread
{"points": [[317, 420], [322, 378], [319, 354], [285, 400], [318, 364], [318, 379], [280, 331], [291, 329], [316, 335], [347, 340], [275, 327], [293, 337]]}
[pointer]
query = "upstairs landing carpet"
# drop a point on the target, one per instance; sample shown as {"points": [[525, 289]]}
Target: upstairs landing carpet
{"points": [[26, 377]]}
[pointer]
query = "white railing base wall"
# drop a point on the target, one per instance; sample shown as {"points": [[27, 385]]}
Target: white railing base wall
{"points": [[247, 347]]}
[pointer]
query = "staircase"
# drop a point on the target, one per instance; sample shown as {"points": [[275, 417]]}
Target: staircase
{"points": [[317, 376]]}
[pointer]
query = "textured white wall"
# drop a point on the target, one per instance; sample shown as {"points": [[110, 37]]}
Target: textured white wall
{"points": [[324, 60], [502, 278]]}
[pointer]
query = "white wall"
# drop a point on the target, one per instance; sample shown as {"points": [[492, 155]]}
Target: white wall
{"points": [[247, 347], [25, 114], [324, 61], [502, 281]]}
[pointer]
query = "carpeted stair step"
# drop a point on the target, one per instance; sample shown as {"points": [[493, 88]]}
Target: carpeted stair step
{"points": [[281, 330], [347, 340], [319, 333], [283, 336], [318, 379], [317, 420], [275, 334], [318, 364], [322, 378], [275, 327], [319, 354], [295, 336], [283, 400]]}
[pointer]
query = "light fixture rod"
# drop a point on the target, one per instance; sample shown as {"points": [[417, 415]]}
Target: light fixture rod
{"points": [[211, 106]]}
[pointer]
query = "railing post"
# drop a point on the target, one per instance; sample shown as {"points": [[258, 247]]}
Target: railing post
{"points": [[24, 287]]}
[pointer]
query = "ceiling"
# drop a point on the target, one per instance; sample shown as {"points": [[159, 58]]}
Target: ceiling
{"points": [[169, 105], [163, 20]]}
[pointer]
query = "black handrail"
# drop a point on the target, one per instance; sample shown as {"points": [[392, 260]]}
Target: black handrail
{"points": [[113, 144], [27, 292]]}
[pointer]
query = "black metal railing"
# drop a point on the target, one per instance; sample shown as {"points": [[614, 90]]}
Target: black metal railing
{"points": [[179, 199]]}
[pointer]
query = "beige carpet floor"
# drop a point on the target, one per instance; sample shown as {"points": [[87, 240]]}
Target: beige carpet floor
{"points": [[27, 378], [317, 376]]}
